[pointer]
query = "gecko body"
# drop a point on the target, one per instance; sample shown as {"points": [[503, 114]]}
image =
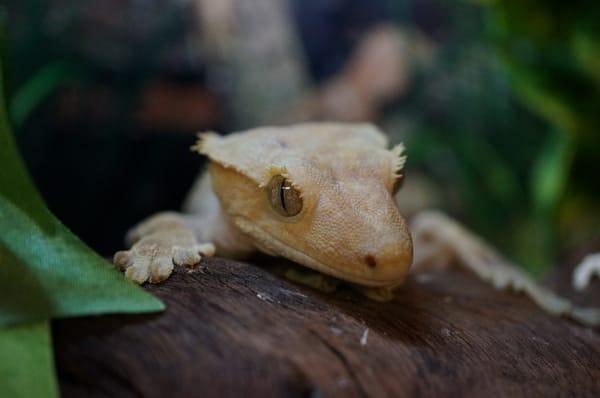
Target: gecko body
{"points": [[323, 196]]}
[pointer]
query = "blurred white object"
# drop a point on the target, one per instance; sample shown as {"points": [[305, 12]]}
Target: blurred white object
{"points": [[586, 270]]}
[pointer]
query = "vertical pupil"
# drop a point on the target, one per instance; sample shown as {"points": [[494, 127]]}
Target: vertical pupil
{"points": [[281, 194], [283, 197]]}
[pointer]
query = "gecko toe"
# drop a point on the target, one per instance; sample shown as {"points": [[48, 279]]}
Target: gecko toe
{"points": [[139, 271], [185, 257], [207, 249], [123, 259], [160, 269]]}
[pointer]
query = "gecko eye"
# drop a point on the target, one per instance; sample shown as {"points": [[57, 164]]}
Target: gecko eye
{"points": [[284, 198]]}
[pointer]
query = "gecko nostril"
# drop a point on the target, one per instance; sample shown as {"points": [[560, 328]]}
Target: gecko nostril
{"points": [[370, 260]]}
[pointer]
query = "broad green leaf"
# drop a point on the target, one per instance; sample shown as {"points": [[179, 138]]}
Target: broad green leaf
{"points": [[45, 270], [26, 365]]}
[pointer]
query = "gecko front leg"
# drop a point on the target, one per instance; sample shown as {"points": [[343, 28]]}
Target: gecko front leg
{"points": [[441, 241], [158, 244], [168, 239]]}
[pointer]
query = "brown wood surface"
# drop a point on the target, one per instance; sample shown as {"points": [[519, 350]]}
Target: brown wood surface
{"points": [[234, 329]]}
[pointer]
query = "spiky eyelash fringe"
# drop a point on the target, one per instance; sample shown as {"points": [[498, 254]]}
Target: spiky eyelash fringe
{"points": [[399, 158]]}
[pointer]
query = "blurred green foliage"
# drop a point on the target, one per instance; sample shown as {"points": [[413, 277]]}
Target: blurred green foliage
{"points": [[501, 116], [552, 53], [552, 49]]}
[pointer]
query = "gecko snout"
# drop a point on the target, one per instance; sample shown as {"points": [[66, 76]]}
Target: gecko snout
{"points": [[387, 260], [372, 245]]}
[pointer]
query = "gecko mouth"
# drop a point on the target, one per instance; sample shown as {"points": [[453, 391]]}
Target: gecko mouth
{"points": [[271, 244]]}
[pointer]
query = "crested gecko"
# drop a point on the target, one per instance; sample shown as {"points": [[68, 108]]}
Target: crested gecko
{"points": [[323, 196]]}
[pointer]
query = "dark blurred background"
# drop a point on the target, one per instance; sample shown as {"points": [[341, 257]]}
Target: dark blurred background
{"points": [[497, 102]]}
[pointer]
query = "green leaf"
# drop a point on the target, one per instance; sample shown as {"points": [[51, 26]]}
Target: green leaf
{"points": [[37, 88], [551, 170], [585, 47], [45, 270], [26, 366], [541, 99]]}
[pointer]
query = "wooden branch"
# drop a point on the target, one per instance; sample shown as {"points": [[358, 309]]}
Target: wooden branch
{"points": [[234, 329]]}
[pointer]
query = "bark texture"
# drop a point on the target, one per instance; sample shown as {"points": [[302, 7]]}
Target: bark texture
{"points": [[235, 329]]}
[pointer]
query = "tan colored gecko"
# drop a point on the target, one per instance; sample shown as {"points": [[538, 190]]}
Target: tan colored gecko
{"points": [[323, 196]]}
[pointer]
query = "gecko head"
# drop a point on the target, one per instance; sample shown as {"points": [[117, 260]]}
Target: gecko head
{"points": [[333, 212], [348, 228]]}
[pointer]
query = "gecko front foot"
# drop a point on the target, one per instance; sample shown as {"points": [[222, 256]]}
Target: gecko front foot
{"points": [[160, 243], [585, 271]]}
